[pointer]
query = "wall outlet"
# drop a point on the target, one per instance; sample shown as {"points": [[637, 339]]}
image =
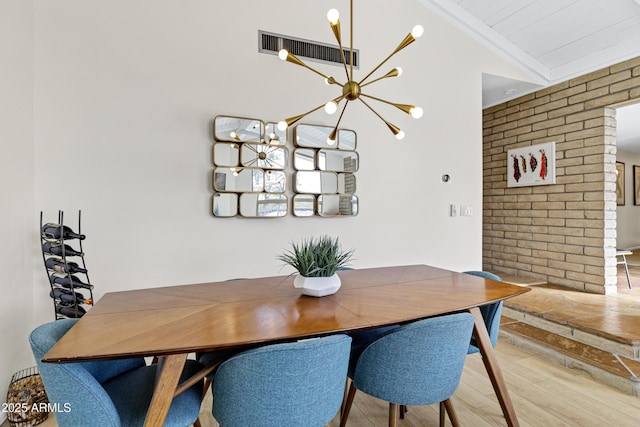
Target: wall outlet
{"points": [[466, 210]]}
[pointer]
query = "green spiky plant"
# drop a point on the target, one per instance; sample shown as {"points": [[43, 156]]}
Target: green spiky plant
{"points": [[317, 257]]}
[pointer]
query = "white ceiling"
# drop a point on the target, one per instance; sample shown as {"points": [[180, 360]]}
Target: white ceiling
{"points": [[552, 40]]}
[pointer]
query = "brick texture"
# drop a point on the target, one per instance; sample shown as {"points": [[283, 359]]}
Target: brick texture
{"points": [[562, 233]]}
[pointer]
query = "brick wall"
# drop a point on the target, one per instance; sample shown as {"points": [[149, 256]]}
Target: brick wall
{"points": [[564, 233]]}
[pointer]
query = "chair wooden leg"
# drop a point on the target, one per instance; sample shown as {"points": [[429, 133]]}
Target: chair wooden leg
{"points": [[347, 405], [205, 387], [452, 413], [393, 414], [347, 383], [403, 410]]}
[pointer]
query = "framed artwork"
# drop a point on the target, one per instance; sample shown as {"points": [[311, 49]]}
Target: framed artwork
{"points": [[636, 185], [532, 165], [620, 183]]}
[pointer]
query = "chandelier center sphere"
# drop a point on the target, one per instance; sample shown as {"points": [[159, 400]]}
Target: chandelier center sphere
{"points": [[351, 90]]}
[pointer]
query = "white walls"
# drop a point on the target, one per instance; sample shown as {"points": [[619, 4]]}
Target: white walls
{"points": [[16, 186], [628, 215], [125, 94], [128, 92]]}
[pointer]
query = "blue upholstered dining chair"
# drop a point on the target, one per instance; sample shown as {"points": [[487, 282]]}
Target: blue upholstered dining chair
{"points": [[108, 393], [490, 313], [298, 384], [419, 363]]}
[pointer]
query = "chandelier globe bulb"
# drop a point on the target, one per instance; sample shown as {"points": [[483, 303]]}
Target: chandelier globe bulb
{"points": [[416, 112], [330, 107], [333, 16]]}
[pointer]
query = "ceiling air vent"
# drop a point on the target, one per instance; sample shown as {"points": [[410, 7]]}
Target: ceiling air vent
{"points": [[314, 51]]}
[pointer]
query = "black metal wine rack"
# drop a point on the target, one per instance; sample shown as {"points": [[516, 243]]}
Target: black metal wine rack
{"points": [[69, 292]]}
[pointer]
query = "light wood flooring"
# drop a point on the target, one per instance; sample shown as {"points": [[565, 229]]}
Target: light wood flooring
{"points": [[543, 395]]}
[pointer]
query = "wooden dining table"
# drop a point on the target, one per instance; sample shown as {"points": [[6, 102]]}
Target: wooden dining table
{"points": [[171, 322]]}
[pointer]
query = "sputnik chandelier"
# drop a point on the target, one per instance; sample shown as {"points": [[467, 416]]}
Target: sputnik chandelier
{"points": [[352, 89]]}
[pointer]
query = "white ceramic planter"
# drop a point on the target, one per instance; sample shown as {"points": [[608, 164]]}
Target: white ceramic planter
{"points": [[317, 286]]}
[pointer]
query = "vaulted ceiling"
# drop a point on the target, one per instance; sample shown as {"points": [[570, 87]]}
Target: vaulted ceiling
{"points": [[551, 40]]}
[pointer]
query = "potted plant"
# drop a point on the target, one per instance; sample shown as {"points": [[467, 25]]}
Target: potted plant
{"points": [[316, 260]]}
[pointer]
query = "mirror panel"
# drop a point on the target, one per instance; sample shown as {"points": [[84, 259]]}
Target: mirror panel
{"points": [[263, 205], [275, 136], [226, 154], [316, 182], [346, 139], [346, 183], [238, 129], [275, 182], [337, 205], [337, 160], [312, 136], [238, 179], [264, 156], [225, 204], [304, 159], [304, 205]]}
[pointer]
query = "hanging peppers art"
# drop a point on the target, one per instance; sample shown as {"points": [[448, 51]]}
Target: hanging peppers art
{"points": [[532, 165], [533, 162], [543, 164], [516, 169]]}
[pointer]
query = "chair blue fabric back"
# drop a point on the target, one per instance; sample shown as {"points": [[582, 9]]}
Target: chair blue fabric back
{"points": [[108, 393], [77, 385], [491, 313], [419, 363], [298, 384]]}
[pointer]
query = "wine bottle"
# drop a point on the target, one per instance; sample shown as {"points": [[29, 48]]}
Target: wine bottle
{"points": [[59, 266], [73, 311], [68, 297], [56, 249], [57, 231], [70, 281]]}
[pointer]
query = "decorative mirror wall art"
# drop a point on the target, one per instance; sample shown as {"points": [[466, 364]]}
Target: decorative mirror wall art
{"points": [[324, 181], [249, 157], [532, 165], [251, 170]]}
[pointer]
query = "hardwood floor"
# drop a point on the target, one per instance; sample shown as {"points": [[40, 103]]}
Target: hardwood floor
{"points": [[543, 395]]}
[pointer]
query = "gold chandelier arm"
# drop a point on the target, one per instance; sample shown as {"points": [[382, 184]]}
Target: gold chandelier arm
{"points": [[404, 107], [404, 43], [393, 73], [294, 119], [350, 39], [295, 60], [336, 32], [396, 130], [334, 132]]}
